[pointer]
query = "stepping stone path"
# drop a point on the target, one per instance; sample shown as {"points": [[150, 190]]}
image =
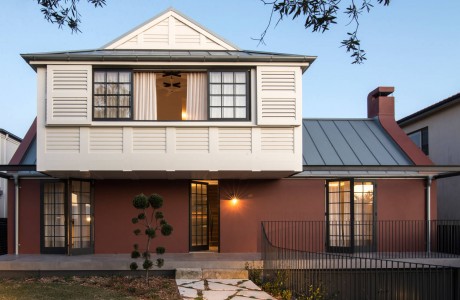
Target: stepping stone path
{"points": [[220, 289]]}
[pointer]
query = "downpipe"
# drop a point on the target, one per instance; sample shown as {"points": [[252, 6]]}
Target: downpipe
{"points": [[16, 214], [429, 180]]}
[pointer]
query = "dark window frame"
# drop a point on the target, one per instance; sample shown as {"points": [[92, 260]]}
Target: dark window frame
{"points": [[352, 247], [106, 95], [247, 95], [424, 140], [43, 248]]}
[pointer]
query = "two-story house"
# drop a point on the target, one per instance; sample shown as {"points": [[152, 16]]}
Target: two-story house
{"points": [[435, 130], [171, 108]]}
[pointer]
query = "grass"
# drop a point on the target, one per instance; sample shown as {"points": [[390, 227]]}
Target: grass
{"points": [[93, 287]]}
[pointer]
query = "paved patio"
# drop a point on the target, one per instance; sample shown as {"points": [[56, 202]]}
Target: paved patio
{"points": [[120, 262]]}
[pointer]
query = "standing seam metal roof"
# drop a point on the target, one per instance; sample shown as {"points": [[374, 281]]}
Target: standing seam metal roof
{"points": [[349, 142]]}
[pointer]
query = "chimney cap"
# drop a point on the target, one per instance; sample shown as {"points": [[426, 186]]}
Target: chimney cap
{"points": [[382, 91]]}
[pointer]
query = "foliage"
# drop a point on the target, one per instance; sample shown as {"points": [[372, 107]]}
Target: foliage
{"points": [[153, 221], [254, 274], [65, 12], [277, 286], [320, 15]]}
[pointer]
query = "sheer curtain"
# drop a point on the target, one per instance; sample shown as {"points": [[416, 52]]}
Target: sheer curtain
{"points": [[145, 96], [196, 108]]}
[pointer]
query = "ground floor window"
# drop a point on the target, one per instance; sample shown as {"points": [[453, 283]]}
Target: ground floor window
{"points": [[67, 217], [350, 214]]}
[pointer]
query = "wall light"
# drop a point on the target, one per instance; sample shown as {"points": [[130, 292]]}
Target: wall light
{"points": [[234, 201]]}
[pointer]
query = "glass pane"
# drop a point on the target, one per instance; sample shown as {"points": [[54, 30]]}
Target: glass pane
{"points": [[124, 100], [112, 88], [124, 113], [228, 112], [124, 77], [240, 77], [112, 76], [216, 112], [216, 101], [240, 101], [227, 77], [228, 101], [85, 198], [215, 77], [333, 187], [125, 89], [240, 89], [112, 101], [99, 76], [215, 89], [240, 113], [112, 113], [228, 89], [99, 112], [59, 231], [99, 101], [99, 88], [59, 242]]}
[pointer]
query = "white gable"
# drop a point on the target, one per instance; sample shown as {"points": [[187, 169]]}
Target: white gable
{"points": [[170, 31]]}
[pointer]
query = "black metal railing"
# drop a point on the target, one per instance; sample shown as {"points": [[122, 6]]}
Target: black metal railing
{"points": [[378, 239], [3, 236], [311, 262]]}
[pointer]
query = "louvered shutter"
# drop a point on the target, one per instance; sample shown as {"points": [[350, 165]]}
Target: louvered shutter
{"points": [[68, 94], [279, 96]]}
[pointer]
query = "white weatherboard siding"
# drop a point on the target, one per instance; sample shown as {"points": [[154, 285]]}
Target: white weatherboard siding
{"points": [[249, 149], [69, 141], [8, 147], [170, 31]]}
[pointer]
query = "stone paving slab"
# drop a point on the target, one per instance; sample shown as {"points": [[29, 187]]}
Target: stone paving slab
{"points": [[221, 289]]}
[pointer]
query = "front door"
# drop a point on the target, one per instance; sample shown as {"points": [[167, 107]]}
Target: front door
{"points": [[204, 215], [350, 216]]}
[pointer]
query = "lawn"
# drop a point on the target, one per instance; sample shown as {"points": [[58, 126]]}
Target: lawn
{"points": [[93, 287]]}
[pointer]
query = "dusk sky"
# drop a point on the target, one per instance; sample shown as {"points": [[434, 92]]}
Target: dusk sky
{"points": [[411, 45]]}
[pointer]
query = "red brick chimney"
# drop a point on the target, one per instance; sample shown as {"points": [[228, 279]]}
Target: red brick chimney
{"points": [[381, 105]]}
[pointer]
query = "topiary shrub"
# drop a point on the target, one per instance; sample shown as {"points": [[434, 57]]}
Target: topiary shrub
{"points": [[152, 220]]}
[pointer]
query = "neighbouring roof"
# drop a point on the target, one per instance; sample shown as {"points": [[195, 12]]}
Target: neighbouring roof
{"points": [[443, 104], [354, 142], [14, 137]]}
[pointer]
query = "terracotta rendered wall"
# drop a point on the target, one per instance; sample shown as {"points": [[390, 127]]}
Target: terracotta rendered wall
{"points": [[113, 213], [265, 200], [29, 216]]}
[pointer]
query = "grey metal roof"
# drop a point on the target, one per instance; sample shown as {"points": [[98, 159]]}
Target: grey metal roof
{"points": [[354, 142], [168, 55]]}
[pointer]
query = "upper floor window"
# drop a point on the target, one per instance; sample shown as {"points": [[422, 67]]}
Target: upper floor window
{"points": [[228, 95], [170, 95], [420, 138], [112, 95]]}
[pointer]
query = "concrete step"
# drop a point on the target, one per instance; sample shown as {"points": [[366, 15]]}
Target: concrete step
{"points": [[197, 273]]}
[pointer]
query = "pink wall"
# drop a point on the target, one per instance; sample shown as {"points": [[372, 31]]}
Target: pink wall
{"points": [[29, 216], [240, 224], [261, 200], [113, 213]]}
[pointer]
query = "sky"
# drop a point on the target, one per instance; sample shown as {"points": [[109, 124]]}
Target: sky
{"points": [[411, 45]]}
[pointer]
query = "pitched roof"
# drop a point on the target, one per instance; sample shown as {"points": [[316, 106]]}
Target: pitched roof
{"points": [[349, 142], [443, 104]]}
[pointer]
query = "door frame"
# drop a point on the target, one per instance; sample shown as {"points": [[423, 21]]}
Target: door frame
{"points": [[203, 247], [351, 247]]}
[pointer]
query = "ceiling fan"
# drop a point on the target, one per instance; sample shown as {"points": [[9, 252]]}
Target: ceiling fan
{"points": [[167, 84], [171, 85]]}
